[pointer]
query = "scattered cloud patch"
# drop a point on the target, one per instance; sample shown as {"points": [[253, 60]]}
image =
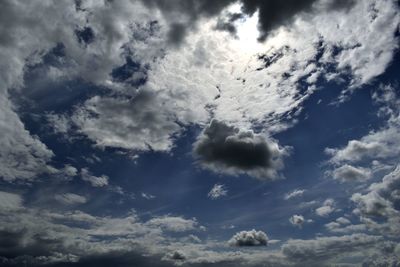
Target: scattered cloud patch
{"points": [[294, 194], [218, 190], [326, 209], [95, 181], [297, 220]]}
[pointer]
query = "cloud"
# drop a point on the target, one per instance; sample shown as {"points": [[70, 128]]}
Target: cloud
{"points": [[9, 201], [177, 255], [249, 239], [70, 199], [182, 16], [147, 196], [327, 208], [96, 181], [294, 194], [174, 224], [322, 249], [297, 220], [227, 149], [381, 202], [217, 191], [348, 173]]}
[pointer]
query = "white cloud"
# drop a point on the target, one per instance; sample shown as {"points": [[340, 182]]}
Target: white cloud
{"points": [[294, 194], [327, 208], [348, 173], [218, 190], [297, 220], [96, 181]]}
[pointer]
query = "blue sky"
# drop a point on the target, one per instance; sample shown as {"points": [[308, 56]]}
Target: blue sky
{"points": [[162, 133]]}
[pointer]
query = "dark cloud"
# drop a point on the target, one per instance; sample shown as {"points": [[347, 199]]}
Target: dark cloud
{"points": [[271, 14], [227, 149], [249, 239]]}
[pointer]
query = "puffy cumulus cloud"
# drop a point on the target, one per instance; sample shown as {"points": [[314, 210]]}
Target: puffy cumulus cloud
{"points": [[96, 181], [327, 208], [322, 249], [348, 173], [297, 220], [70, 199], [294, 194], [378, 207], [175, 224], [227, 149], [217, 191], [249, 239]]}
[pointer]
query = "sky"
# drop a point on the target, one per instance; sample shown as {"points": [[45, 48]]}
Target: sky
{"points": [[199, 133]]}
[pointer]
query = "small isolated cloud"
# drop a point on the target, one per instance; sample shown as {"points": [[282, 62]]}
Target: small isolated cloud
{"points": [[294, 194], [249, 239], [96, 181], [217, 191], [326, 209], [147, 196], [227, 149], [70, 199], [297, 220], [348, 173]]}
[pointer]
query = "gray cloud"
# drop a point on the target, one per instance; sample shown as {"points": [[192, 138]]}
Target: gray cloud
{"points": [[324, 248], [70, 199], [227, 149], [249, 239]]}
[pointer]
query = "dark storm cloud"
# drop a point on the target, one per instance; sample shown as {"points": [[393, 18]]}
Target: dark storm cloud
{"points": [[227, 149], [272, 13]]}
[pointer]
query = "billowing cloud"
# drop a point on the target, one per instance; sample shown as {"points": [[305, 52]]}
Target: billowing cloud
{"points": [[381, 201], [218, 190], [249, 239], [227, 149], [348, 173]]}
